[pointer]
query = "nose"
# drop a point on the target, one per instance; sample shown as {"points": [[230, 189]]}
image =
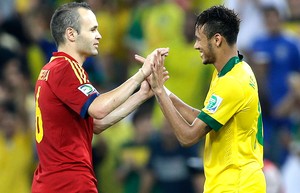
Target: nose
{"points": [[98, 36]]}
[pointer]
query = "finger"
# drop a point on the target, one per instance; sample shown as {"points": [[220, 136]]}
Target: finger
{"points": [[156, 60], [165, 78], [160, 60], [155, 57], [155, 54], [154, 70], [139, 58], [165, 73], [152, 60], [163, 51]]}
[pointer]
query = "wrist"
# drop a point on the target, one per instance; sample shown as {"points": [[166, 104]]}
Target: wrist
{"points": [[145, 94], [142, 73], [167, 91], [139, 76], [158, 91]]}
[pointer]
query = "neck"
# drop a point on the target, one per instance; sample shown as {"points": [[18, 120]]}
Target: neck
{"points": [[78, 57], [224, 56]]}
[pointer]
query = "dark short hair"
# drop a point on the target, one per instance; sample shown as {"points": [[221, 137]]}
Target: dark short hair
{"points": [[66, 16], [219, 19]]}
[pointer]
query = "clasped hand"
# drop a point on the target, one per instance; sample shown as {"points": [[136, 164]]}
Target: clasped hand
{"points": [[154, 69]]}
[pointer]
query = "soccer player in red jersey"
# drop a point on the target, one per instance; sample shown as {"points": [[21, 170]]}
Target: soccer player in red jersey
{"points": [[69, 110]]}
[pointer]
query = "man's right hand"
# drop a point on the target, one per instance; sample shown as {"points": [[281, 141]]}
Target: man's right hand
{"points": [[158, 77], [151, 59]]}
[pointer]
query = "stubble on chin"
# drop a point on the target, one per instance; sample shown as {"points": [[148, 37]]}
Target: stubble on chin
{"points": [[205, 61], [94, 52]]}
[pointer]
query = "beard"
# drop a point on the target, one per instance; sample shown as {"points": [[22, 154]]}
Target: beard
{"points": [[209, 56], [86, 47]]}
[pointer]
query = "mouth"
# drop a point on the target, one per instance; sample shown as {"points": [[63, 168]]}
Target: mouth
{"points": [[201, 54], [96, 45]]}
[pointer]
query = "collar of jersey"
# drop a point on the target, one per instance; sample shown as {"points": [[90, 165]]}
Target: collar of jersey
{"points": [[63, 54], [229, 65]]}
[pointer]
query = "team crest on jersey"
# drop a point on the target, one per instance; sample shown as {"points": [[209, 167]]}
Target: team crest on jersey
{"points": [[214, 103], [87, 89]]}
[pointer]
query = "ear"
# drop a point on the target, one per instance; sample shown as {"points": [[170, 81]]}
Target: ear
{"points": [[218, 39], [71, 34]]}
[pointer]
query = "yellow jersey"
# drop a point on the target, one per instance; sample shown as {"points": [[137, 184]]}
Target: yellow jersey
{"points": [[233, 153]]}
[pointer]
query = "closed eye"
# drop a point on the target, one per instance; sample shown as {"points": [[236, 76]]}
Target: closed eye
{"points": [[94, 29]]}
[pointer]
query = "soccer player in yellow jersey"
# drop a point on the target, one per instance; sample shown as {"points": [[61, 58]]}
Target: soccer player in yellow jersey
{"points": [[231, 118]]}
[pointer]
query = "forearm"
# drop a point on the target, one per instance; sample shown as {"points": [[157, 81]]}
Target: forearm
{"points": [[107, 102], [186, 133], [120, 112], [186, 111], [189, 113], [180, 126]]}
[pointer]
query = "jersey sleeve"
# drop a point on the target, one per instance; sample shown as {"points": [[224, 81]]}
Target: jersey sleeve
{"points": [[222, 102], [71, 85]]}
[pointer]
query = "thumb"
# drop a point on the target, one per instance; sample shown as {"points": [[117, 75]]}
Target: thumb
{"points": [[139, 58]]}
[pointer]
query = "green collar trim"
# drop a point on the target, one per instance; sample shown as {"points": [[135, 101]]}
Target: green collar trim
{"points": [[229, 65]]}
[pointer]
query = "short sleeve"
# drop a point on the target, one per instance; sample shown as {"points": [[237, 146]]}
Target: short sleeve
{"points": [[222, 102], [69, 82]]}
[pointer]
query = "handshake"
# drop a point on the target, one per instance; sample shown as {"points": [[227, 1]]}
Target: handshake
{"points": [[153, 71]]}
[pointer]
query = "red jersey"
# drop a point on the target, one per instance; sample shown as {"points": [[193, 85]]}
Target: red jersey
{"points": [[64, 130]]}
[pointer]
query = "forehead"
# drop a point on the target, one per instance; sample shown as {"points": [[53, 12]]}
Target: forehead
{"points": [[87, 17]]}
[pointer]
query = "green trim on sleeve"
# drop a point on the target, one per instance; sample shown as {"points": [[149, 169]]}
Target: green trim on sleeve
{"points": [[211, 122], [259, 134]]}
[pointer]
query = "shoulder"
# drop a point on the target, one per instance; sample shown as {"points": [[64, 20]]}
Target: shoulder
{"points": [[61, 66], [231, 81], [57, 63], [234, 82]]}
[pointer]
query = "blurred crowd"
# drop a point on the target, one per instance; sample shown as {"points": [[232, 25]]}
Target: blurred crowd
{"points": [[140, 154]]}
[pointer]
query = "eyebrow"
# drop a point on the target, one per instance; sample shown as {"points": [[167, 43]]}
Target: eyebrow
{"points": [[94, 27]]}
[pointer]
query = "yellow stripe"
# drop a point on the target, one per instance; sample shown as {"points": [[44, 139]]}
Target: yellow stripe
{"points": [[54, 57], [81, 71], [78, 70], [75, 71]]}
